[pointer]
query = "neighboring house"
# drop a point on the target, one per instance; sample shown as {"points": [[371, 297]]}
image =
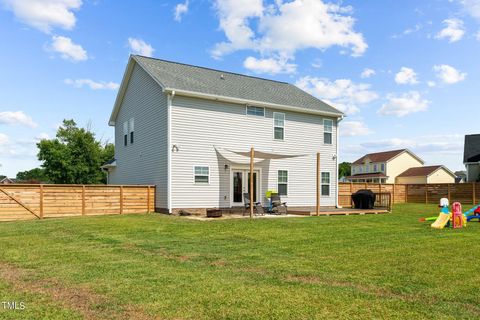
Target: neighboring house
{"points": [[471, 157], [189, 129], [461, 176], [7, 180], [427, 174], [383, 167]]}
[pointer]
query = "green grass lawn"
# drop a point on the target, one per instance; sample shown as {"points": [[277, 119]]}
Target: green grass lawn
{"points": [[155, 266]]}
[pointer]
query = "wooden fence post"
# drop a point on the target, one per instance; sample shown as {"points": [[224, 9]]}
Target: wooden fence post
{"points": [[449, 194], [393, 193], [83, 200], [41, 201], [148, 199], [406, 193], [351, 192], [474, 193], [426, 193], [121, 199], [317, 209]]}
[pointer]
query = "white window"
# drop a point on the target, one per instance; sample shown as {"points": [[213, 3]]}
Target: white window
{"points": [[125, 133], [326, 184], [382, 167], [282, 181], [131, 128], [375, 168], [202, 174], [353, 170], [327, 131], [278, 126], [256, 111], [360, 169]]}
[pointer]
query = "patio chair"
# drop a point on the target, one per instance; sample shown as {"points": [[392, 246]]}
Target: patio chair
{"points": [[278, 207], [257, 205]]}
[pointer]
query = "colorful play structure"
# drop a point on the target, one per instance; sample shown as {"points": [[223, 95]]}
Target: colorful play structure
{"points": [[454, 219]]}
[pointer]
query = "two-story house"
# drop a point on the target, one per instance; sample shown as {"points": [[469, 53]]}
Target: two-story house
{"points": [[188, 130], [398, 166]]}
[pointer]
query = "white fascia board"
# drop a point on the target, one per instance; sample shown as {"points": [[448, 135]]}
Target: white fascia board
{"points": [[214, 97]]}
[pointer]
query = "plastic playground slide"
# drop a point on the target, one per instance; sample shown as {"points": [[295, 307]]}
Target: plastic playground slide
{"points": [[441, 221]]}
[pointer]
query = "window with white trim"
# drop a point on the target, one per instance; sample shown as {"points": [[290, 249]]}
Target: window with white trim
{"points": [[202, 174], [255, 111], [326, 184], [125, 133], [282, 182], [278, 126], [131, 128], [382, 167], [327, 131], [375, 168]]}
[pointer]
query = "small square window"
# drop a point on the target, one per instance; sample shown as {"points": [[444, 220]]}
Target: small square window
{"points": [[202, 175]]}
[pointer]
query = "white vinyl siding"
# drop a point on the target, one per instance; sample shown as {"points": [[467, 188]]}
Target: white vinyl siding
{"points": [[255, 111], [328, 131], [278, 126], [197, 139], [145, 161], [282, 182], [326, 184], [201, 174]]}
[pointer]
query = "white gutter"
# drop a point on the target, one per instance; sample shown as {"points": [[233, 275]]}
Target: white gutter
{"points": [[339, 119], [215, 97], [169, 146]]}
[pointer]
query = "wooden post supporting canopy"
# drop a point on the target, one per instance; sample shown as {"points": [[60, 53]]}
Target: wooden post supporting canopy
{"points": [[252, 157], [318, 184]]}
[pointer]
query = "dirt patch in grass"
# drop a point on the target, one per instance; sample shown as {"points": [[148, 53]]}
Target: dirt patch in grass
{"points": [[89, 304]]}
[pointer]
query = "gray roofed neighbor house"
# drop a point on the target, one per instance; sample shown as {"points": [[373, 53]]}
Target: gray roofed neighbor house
{"points": [[472, 148], [183, 77]]}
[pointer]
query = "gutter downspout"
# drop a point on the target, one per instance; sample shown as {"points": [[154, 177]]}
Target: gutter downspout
{"points": [[339, 119], [169, 145]]}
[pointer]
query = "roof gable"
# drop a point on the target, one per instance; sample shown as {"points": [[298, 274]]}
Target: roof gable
{"points": [[471, 151], [385, 156], [424, 171]]}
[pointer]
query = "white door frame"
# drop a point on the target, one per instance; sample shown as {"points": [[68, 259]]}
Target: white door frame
{"points": [[245, 171]]}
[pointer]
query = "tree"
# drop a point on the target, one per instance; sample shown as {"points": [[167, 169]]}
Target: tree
{"points": [[344, 169], [74, 156], [36, 175]]}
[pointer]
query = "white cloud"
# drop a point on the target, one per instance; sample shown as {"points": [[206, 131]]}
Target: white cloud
{"points": [[4, 139], [138, 46], [67, 49], [367, 73], [477, 35], [45, 14], [16, 118], [431, 84], [453, 31], [406, 76], [448, 74], [269, 65], [281, 29], [407, 103], [354, 128], [343, 94], [180, 10], [472, 7], [94, 85]]}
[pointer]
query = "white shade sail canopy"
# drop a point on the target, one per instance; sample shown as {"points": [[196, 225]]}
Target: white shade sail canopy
{"points": [[243, 157]]}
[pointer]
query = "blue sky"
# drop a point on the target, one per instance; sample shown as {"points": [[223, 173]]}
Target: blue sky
{"points": [[405, 72]]}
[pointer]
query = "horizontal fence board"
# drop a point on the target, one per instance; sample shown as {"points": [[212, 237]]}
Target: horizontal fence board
{"points": [[73, 200], [466, 193]]}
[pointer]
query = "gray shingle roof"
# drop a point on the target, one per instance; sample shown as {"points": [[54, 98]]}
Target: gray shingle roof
{"points": [[472, 148], [178, 76]]}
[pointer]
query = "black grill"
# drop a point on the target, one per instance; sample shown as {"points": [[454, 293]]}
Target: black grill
{"points": [[363, 199]]}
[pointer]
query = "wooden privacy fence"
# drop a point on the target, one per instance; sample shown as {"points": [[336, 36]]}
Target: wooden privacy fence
{"points": [[467, 193], [24, 202]]}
